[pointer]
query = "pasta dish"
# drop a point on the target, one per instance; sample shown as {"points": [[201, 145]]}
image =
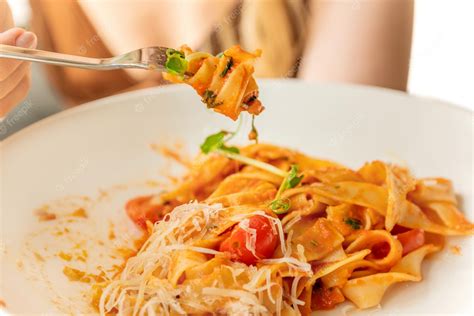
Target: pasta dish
{"points": [[292, 235], [266, 230]]}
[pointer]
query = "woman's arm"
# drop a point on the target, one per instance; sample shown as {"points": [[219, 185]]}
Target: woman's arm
{"points": [[360, 41]]}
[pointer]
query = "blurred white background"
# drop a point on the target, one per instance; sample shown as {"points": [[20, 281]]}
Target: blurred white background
{"points": [[442, 63]]}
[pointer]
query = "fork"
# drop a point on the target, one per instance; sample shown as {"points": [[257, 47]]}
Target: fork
{"points": [[151, 58]]}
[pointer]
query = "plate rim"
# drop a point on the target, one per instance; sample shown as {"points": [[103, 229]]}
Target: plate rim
{"points": [[88, 106]]}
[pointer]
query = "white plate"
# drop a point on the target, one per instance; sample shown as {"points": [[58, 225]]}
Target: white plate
{"points": [[105, 143]]}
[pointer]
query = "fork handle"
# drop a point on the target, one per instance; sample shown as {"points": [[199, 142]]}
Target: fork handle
{"points": [[57, 59]]}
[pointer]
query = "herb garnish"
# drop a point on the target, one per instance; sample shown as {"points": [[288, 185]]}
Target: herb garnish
{"points": [[209, 97], [229, 65], [291, 180], [217, 143], [280, 206], [176, 62], [251, 99], [354, 223]]}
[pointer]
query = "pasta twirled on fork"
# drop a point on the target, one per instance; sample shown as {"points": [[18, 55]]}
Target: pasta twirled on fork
{"points": [[225, 83]]}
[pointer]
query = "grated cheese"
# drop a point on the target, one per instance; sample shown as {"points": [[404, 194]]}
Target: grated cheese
{"points": [[289, 249], [300, 251], [250, 237], [143, 287], [294, 298], [243, 296], [290, 223], [269, 287], [235, 272], [192, 248], [292, 262]]}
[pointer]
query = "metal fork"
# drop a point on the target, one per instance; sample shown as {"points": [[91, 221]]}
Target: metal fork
{"points": [[152, 58]]}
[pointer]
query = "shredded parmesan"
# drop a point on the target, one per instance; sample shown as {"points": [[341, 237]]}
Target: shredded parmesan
{"points": [[269, 286], [300, 251], [292, 262], [257, 276], [289, 249], [290, 223], [243, 296], [235, 272], [138, 287], [192, 248], [250, 237], [294, 297], [143, 287]]}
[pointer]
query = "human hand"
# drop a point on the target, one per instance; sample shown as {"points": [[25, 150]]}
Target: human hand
{"points": [[15, 76]]}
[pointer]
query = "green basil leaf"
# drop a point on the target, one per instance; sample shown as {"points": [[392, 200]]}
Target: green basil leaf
{"points": [[176, 62], [213, 142], [293, 180], [354, 223], [229, 65], [233, 150]]}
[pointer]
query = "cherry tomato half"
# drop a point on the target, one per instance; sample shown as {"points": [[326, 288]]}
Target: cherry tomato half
{"points": [[141, 209], [266, 241], [411, 240]]}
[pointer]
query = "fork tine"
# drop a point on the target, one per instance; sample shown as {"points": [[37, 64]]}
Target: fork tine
{"points": [[156, 57]]}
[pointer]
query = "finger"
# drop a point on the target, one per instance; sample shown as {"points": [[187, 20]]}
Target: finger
{"points": [[9, 37], [7, 85], [16, 96], [17, 37]]}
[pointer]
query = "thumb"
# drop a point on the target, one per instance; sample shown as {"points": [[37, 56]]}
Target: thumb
{"points": [[15, 37], [18, 37], [26, 40]]}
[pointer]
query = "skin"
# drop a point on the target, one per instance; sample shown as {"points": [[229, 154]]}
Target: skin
{"points": [[15, 76], [354, 41], [343, 37], [363, 42]]}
